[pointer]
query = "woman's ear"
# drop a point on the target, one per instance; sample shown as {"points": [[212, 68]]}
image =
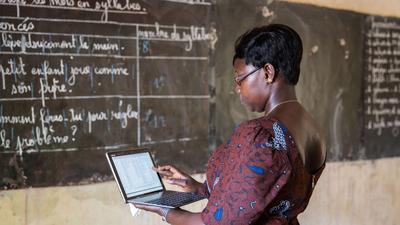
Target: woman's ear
{"points": [[269, 72]]}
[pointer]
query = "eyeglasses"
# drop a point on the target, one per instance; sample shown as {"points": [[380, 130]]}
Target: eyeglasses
{"points": [[240, 78]]}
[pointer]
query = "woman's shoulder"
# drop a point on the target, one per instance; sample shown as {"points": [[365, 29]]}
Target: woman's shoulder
{"points": [[251, 127], [258, 123], [269, 124], [264, 132], [306, 134]]}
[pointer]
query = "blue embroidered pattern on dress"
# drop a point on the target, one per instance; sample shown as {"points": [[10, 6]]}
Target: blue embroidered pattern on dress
{"points": [[282, 209], [256, 169], [218, 214], [264, 145], [278, 142]]}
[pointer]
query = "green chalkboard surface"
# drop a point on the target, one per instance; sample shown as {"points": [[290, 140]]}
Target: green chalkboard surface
{"points": [[78, 78]]}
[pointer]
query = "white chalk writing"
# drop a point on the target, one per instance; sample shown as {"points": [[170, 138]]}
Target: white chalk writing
{"points": [[382, 90], [74, 73]]}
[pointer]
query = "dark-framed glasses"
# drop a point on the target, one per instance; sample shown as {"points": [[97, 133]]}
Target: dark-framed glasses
{"points": [[240, 78]]}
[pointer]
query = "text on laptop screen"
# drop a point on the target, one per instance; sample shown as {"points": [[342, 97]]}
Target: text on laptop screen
{"points": [[136, 174]]}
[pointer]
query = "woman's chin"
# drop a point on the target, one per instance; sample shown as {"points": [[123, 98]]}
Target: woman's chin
{"points": [[247, 106]]}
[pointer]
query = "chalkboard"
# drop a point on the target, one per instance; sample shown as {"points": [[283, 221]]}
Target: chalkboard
{"points": [[382, 87], [78, 78]]}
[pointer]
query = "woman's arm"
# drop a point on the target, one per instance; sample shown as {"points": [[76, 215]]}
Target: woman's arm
{"points": [[183, 217]]}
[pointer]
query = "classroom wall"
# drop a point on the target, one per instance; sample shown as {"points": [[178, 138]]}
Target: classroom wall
{"points": [[349, 193], [382, 8], [95, 204]]}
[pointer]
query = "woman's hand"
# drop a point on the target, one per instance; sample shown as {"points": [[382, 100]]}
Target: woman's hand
{"points": [[154, 209], [176, 177], [174, 216]]}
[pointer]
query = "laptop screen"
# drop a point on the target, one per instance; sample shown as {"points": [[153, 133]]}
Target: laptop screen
{"points": [[136, 174]]}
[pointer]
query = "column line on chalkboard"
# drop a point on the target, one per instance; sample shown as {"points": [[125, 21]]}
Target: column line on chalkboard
{"points": [[190, 2], [175, 96], [17, 5], [186, 139], [71, 8], [138, 87], [110, 56], [175, 57], [98, 22], [72, 149], [110, 96], [100, 36], [76, 34], [109, 147]]}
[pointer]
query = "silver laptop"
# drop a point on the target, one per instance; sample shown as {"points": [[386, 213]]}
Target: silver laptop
{"points": [[139, 183]]}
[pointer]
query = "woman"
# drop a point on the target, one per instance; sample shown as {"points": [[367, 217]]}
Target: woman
{"points": [[266, 172]]}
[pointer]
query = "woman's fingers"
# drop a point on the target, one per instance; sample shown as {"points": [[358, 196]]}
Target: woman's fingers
{"points": [[169, 168], [162, 169], [179, 182], [168, 171], [163, 173], [145, 207], [174, 170], [149, 208], [175, 177]]}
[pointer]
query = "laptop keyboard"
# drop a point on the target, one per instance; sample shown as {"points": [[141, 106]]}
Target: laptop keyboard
{"points": [[176, 199]]}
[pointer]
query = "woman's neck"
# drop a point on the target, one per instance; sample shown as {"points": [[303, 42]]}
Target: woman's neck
{"points": [[280, 94]]}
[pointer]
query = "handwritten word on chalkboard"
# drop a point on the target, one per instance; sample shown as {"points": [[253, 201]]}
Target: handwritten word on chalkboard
{"points": [[80, 75]]}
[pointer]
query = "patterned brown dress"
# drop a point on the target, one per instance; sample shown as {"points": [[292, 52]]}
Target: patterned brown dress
{"points": [[257, 177]]}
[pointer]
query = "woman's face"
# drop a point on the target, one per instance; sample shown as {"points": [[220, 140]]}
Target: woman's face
{"points": [[253, 90]]}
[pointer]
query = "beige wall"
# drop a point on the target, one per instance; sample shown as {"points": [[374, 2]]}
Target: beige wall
{"points": [[349, 193], [376, 7], [356, 193], [97, 204]]}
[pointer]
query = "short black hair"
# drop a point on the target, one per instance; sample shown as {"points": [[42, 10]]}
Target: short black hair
{"points": [[276, 44]]}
